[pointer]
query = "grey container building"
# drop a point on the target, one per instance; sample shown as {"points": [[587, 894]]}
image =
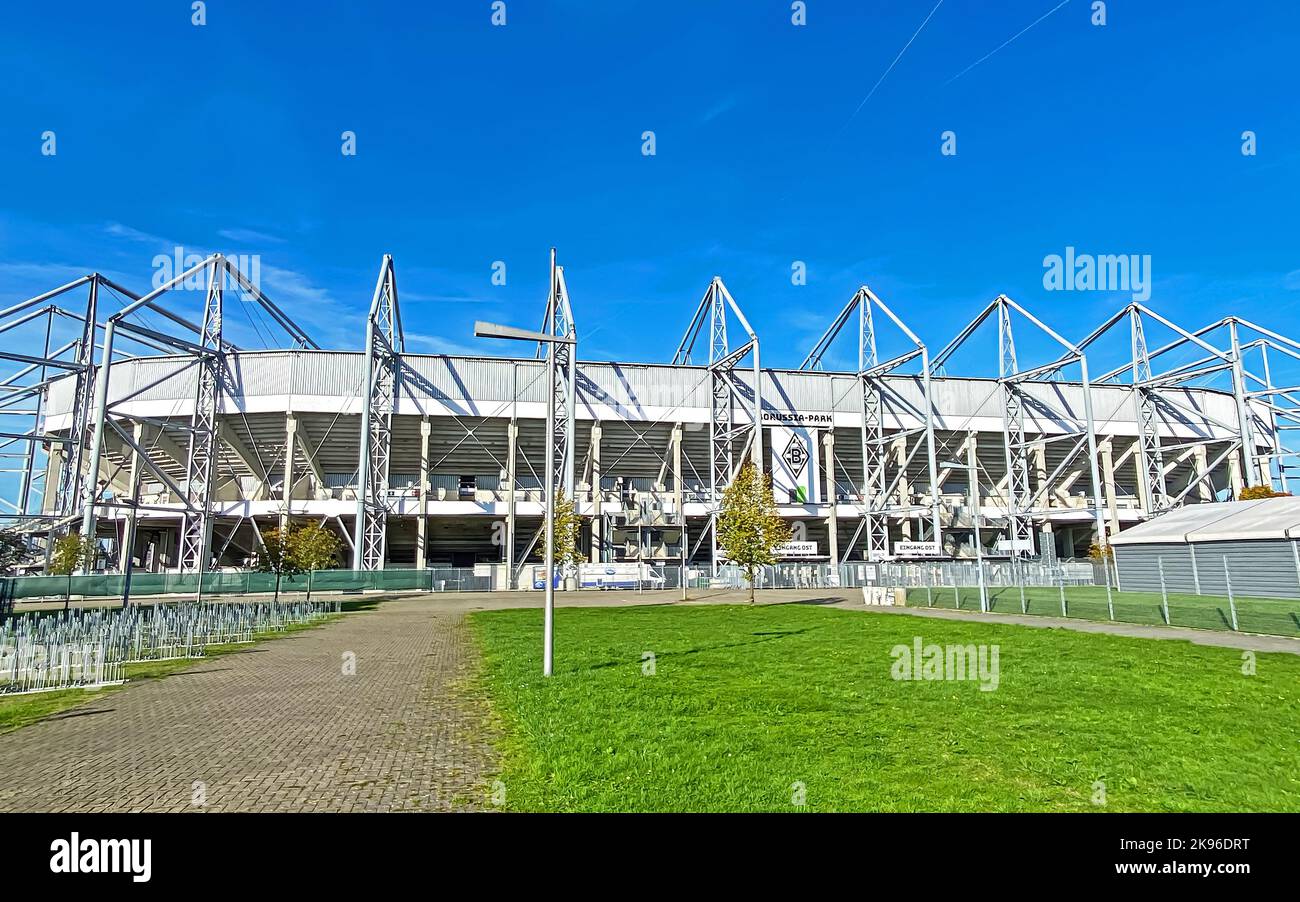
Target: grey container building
{"points": [[1255, 544]]}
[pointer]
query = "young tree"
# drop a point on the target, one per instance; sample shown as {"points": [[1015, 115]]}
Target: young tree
{"points": [[568, 526], [73, 553], [314, 547], [749, 527], [13, 550], [277, 556], [1099, 555]]}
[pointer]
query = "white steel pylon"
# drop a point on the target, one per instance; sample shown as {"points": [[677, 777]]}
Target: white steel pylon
{"points": [[879, 402], [562, 371], [1021, 501], [727, 393], [384, 346], [196, 523]]}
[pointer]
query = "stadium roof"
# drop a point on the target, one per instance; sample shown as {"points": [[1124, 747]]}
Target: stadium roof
{"points": [[1270, 518]]}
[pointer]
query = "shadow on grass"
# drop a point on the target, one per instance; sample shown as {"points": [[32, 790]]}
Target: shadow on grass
{"points": [[764, 637]]}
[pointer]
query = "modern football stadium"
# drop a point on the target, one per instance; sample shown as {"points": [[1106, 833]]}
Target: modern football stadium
{"points": [[175, 448]]}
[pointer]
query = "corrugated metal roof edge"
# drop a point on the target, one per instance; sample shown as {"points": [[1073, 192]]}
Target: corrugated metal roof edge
{"points": [[1215, 515]]}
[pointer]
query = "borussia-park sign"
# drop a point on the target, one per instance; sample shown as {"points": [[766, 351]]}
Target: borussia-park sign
{"points": [[798, 418]]}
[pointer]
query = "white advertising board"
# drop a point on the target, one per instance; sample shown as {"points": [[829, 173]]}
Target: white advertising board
{"points": [[796, 550], [917, 549], [795, 464]]}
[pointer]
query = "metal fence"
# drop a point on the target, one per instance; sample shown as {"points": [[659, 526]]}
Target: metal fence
{"points": [[493, 578], [1073, 589], [243, 582], [88, 647], [909, 574]]}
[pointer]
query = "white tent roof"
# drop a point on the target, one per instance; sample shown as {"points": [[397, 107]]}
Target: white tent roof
{"points": [[1270, 518]]}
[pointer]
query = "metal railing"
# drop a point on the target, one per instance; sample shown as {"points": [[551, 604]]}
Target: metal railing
{"points": [[87, 647]]}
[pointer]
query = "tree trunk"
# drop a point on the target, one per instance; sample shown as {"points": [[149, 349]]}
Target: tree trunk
{"points": [[751, 576], [276, 600]]}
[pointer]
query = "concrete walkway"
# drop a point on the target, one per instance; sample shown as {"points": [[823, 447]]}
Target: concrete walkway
{"points": [[276, 727]]}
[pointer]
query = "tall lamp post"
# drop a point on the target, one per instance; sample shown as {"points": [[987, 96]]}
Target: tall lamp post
{"points": [[492, 330], [972, 475]]}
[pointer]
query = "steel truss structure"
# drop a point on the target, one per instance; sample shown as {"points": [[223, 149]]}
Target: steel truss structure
{"points": [[211, 354], [385, 343], [882, 471], [561, 368], [107, 443], [727, 430], [1024, 505], [1231, 354]]}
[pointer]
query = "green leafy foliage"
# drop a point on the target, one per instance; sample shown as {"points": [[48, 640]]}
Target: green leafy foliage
{"points": [[749, 526], [568, 526], [1259, 492], [72, 553], [277, 553], [314, 547]]}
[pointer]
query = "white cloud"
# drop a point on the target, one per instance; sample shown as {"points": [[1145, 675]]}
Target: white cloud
{"points": [[249, 236], [439, 345], [118, 230]]}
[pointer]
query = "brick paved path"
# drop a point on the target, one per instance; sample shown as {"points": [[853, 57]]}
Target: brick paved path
{"points": [[277, 727]]}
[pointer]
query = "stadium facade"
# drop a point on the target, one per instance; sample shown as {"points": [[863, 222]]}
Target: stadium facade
{"points": [[175, 448]]}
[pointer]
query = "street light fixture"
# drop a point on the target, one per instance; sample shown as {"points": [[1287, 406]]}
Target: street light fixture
{"points": [[493, 330], [972, 476]]}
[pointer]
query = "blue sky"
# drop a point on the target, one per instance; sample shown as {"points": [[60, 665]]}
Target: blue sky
{"points": [[478, 143]]}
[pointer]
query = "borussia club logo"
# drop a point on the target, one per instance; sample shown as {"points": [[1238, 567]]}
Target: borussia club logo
{"points": [[796, 455]]}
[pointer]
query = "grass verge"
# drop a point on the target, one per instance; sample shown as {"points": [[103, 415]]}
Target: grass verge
{"points": [[746, 707]]}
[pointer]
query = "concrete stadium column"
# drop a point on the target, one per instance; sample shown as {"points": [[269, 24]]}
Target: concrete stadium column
{"points": [[1204, 490], [512, 450], [828, 491], [1107, 451], [1040, 469], [679, 497], [597, 519], [1234, 475], [290, 444], [1143, 488], [133, 483], [904, 486], [422, 522], [53, 467], [973, 499], [1046, 541]]}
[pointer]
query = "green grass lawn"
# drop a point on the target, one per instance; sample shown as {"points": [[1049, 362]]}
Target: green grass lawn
{"points": [[745, 702], [20, 710], [1274, 616]]}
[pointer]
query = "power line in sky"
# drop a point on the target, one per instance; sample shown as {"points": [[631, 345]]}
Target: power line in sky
{"points": [[885, 74], [1006, 42]]}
